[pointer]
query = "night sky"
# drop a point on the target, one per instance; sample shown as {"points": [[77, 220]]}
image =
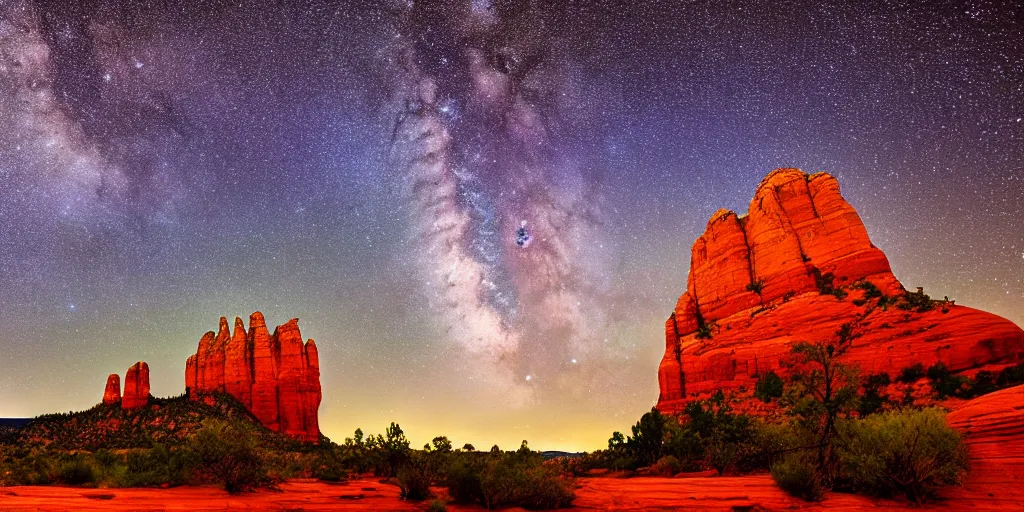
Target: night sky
{"points": [[481, 211]]}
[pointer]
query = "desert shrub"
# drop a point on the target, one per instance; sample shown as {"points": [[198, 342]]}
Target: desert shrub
{"points": [[984, 382], [769, 386], [667, 466], [756, 286], [685, 445], [704, 332], [437, 506], [725, 435], [824, 282], [913, 452], [915, 301], [78, 470], [389, 452], [912, 373], [463, 479], [943, 382], [872, 401], [870, 290], [414, 480], [145, 468], [227, 452], [797, 474], [520, 478], [1011, 376], [771, 442]]}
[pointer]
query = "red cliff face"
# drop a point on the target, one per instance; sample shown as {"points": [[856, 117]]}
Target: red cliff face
{"points": [[756, 284], [136, 387], [277, 377], [112, 393]]}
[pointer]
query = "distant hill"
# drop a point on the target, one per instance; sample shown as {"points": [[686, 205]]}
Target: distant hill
{"points": [[556, 454], [14, 422]]}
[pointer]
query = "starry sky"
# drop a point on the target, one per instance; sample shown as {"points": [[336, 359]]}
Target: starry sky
{"points": [[481, 210]]}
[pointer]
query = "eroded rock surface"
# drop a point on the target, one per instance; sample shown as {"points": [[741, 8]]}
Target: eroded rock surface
{"points": [[276, 377], [759, 283]]}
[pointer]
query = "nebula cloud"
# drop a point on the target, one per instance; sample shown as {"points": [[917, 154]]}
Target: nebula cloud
{"points": [[82, 132], [506, 215]]}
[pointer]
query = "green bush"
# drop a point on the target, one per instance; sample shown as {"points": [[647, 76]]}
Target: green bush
{"points": [[414, 481], [912, 452], [870, 290], [915, 301], [912, 373], [667, 466], [984, 382], [872, 401], [769, 386], [1011, 376], [77, 471], [227, 452], [797, 474], [943, 382], [520, 478], [437, 506], [463, 479], [704, 332]]}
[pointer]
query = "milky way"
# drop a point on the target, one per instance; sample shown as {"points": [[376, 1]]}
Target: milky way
{"points": [[481, 210], [482, 97]]}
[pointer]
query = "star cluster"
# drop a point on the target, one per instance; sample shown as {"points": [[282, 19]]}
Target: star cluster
{"points": [[481, 210]]}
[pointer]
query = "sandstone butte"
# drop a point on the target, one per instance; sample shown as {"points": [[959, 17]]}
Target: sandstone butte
{"points": [[112, 393], [276, 377], [754, 287], [136, 387]]}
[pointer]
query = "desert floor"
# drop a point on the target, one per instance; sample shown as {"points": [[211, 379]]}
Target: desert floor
{"points": [[641, 493]]}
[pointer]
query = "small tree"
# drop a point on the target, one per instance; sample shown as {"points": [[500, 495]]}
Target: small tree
{"points": [[769, 386], [826, 391], [228, 452], [648, 435]]}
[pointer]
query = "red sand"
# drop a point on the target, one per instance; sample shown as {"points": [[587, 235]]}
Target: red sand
{"points": [[633, 494]]}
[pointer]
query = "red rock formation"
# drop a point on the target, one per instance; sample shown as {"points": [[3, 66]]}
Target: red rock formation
{"points": [[136, 387], [276, 377], [994, 428], [754, 287], [112, 393]]}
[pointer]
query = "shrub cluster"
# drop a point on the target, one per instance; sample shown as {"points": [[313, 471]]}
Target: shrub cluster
{"points": [[220, 451], [710, 435], [768, 386], [911, 452]]}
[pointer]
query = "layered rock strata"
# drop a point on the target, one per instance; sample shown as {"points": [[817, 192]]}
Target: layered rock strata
{"points": [[759, 283], [276, 377], [112, 393], [136, 387]]}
